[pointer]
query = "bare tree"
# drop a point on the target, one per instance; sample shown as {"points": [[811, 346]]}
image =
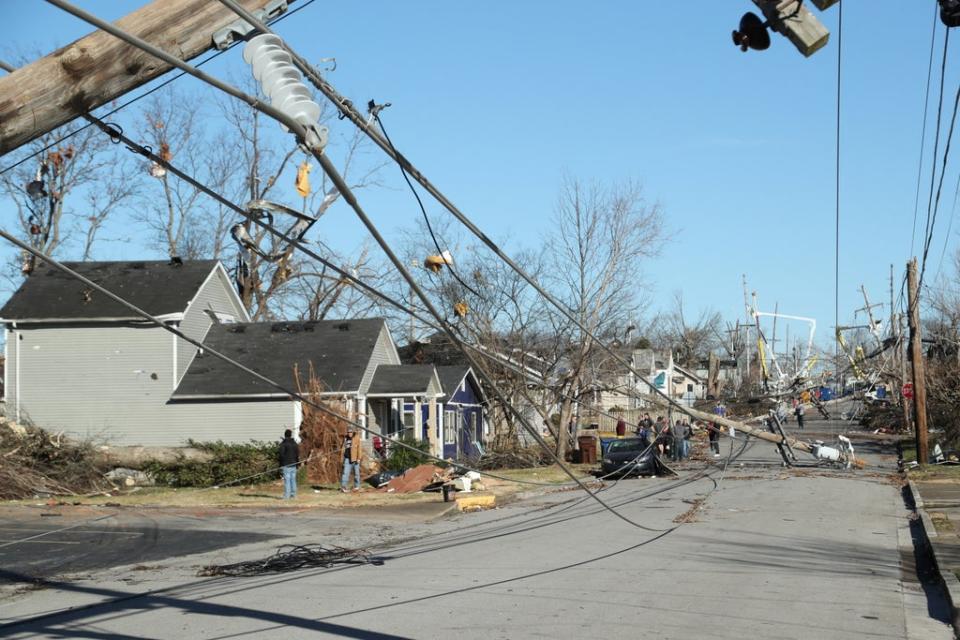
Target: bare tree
{"points": [[185, 222], [69, 191], [601, 236], [242, 155], [690, 341]]}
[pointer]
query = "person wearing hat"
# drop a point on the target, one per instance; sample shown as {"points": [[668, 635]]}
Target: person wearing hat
{"points": [[352, 453]]}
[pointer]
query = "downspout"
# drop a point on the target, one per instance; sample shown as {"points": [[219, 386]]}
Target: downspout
{"points": [[18, 371]]}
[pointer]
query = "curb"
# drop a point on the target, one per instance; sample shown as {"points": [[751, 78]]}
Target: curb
{"points": [[930, 539]]}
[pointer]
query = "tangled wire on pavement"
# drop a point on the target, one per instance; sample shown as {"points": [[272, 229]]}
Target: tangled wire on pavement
{"points": [[292, 557]]}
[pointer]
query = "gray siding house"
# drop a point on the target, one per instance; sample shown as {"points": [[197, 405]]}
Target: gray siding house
{"points": [[85, 365], [79, 363]]}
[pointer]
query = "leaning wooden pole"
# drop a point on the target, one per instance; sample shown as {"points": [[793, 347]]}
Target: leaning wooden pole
{"points": [[916, 358], [98, 68]]}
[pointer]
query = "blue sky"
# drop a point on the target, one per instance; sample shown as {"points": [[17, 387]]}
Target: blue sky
{"points": [[496, 102]]}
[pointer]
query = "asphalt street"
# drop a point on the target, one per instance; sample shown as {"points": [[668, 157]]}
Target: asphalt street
{"points": [[751, 550]]}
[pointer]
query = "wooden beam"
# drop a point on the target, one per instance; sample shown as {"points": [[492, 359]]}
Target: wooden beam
{"points": [[794, 20], [98, 68]]}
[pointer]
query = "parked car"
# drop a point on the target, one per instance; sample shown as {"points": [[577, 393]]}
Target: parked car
{"points": [[628, 456]]}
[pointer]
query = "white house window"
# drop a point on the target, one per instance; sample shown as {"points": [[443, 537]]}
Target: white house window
{"points": [[409, 421], [449, 427], [690, 387]]}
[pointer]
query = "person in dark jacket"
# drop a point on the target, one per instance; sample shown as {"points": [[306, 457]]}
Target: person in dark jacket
{"points": [[621, 427], [289, 459]]}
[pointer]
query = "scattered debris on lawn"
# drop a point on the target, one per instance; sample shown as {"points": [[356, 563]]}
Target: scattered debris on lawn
{"points": [[422, 478], [291, 557]]}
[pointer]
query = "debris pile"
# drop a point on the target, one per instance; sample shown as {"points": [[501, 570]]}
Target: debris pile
{"points": [[35, 462], [292, 557], [421, 478]]}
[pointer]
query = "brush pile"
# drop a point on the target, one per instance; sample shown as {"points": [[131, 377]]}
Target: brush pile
{"points": [[321, 433], [35, 462], [514, 457]]}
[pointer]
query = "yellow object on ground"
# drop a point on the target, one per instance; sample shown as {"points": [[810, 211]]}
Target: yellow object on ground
{"points": [[476, 501]]}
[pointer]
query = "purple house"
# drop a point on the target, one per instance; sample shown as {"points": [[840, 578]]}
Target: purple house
{"points": [[460, 409]]}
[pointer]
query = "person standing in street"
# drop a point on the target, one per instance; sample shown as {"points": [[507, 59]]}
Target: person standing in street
{"points": [[800, 411], [289, 460], [661, 431], [678, 431], [687, 435], [352, 453]]}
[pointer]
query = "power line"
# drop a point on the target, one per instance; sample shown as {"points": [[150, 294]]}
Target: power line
{"points": [[349, 197], [426, 218], [350, 112], [923, 132], [943, 172], [953, 213], [836, 272], [143, 95], [119, 137], [928, 231]]}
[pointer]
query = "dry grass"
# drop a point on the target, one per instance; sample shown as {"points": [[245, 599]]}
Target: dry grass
{"points": [[945, 473], [552, 474], [269, 494], [941, 523]]}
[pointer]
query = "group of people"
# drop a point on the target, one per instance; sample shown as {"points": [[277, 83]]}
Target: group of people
{"points": [[674, 440], [351, 451]]}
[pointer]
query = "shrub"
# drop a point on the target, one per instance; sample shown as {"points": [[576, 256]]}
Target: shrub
{"points": [[254, 461], [401, 458]]}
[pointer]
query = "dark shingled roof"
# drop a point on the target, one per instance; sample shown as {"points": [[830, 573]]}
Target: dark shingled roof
{"points": [[157, 287], [339, 351], [450, 377], [401, 378]]}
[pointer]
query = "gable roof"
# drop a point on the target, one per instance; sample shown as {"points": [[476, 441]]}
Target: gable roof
{"points": [[338, 350], [158, 287], [451, 376], [402, 379]]}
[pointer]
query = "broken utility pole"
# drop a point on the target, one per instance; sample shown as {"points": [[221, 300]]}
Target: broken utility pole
{"points": [[98, 68], [916, 359]]}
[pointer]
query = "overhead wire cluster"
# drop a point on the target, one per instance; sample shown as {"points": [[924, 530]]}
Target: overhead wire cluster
{"points": [[347, 108]]}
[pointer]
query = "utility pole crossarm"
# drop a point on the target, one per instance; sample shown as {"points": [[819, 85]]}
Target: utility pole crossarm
{"points": [[98, 68]]}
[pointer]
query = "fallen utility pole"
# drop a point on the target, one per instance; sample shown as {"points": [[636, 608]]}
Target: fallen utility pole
{"points": [[916, 359], [817, 450], [98, 68]]}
